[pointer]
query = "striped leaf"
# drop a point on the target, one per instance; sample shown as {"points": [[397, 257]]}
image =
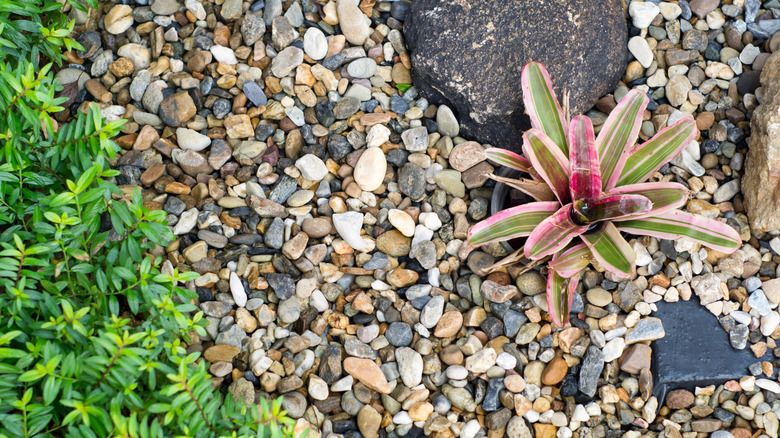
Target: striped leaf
{"points": [[511, 223], [542, 105], [573, 259], [659, 150], [552, 234], [550, 163], [611, 250], [676, 224], [618, 135], [664, 196], [585, 170], [560, 293], [508, 159]]}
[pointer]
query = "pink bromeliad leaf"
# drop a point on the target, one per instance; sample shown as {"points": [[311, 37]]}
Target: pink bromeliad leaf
{"points": [[560, 293], [509, 159], [571, 260], [612, 207], [511, 223], [542, 105], [552, 234], [550, 163], [611, 250], [618, 135], [643, 161], [676, 224], [585, 182], [664, 196]]}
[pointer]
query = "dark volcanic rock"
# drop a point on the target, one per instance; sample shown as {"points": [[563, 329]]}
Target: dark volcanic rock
{"points": [[469, 54]]}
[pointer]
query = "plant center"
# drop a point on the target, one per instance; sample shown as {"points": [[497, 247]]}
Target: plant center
{"points": [[580, 213]]}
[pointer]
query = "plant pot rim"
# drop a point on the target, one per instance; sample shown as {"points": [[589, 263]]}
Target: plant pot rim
{"points": [[500, 198]]}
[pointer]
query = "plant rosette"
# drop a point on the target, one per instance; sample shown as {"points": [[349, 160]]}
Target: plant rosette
{"points": [[589, 189]]}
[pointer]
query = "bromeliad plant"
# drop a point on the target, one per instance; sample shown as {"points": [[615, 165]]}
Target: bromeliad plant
{"points": [[590, 189]]}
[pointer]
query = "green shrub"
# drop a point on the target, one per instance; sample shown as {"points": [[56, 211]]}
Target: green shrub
{"points": [[92, 327]]}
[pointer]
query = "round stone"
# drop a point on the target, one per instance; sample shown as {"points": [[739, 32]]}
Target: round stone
{"points": [[315, 44], [370, 170]]}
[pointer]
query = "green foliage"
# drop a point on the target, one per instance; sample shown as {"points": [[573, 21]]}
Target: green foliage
{"points": [[92, 326]]}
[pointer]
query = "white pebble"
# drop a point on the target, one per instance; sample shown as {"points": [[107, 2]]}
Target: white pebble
{"points": [[643, 13], [237, 290], [506, 361]]}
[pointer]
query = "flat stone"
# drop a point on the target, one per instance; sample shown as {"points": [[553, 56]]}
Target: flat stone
{"points": [[590, 370], [636, 358], [237, 290], [368, 373], [189, 139], [415, 139], [315, 44], [177, 109], [678, 359], [641, 50], [647, 329], [554, 372], [312, 167], [252, 28], [224, 54], [287, 60], [679, 399]]}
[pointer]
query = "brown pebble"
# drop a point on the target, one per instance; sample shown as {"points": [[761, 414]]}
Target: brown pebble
{"points": [[679, 399], [554, 372]]}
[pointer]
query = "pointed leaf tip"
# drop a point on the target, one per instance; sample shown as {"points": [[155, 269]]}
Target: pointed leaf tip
{"points": [[560, 294], [542, 105], [618, 134], [677, 224], [650, 156]]}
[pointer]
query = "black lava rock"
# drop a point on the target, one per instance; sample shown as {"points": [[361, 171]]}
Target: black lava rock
{"points": [[475, 69]]}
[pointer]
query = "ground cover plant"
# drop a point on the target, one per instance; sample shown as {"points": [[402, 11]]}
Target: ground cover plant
{"points": [[92, 325]]}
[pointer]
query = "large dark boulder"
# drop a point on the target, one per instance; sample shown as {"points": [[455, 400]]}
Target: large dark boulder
{"points": [[469, 54]]}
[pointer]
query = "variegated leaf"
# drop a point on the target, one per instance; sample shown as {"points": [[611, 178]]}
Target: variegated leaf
{"points": [[573, 259], [560, 293], [618, 135], [643, 161], [611, 250], [508, 159], [550, 163], [676, 224], [542, 105], [585, 174], [511, 223], [552, 234], [664, 196]]}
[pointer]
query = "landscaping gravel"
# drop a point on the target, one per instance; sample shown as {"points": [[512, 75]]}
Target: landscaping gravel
{"points": [[325, 204]]}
